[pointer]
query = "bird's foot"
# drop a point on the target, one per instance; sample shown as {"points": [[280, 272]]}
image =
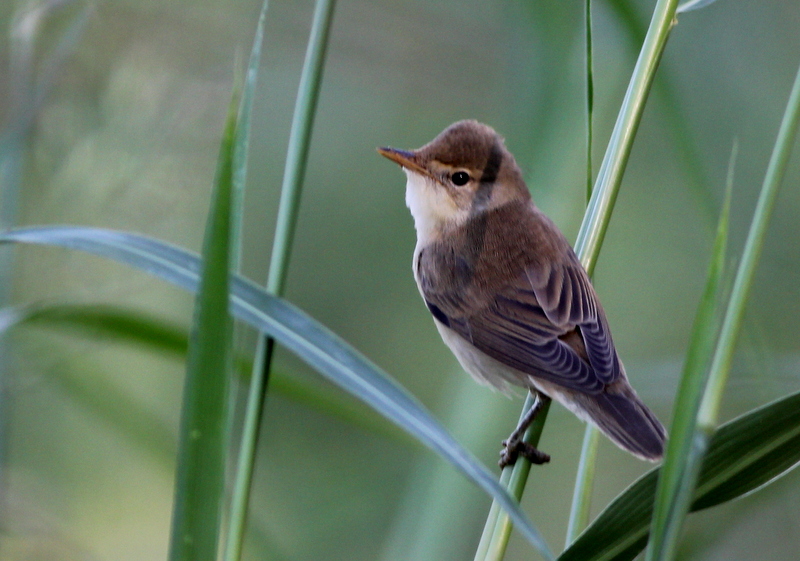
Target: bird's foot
{"points": [[514, 446], [513, 450]]}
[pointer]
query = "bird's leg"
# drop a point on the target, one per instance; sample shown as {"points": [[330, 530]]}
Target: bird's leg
{"points": [[514, 446]]}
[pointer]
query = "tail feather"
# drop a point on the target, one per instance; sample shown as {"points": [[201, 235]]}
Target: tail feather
{"points": [[627, 421]]}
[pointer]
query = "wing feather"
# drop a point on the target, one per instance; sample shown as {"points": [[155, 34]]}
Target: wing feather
{"points": [[527, 324]]}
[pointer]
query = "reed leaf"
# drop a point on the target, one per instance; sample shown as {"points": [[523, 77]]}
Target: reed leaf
{"points": [[202, 437], [743, 455]]}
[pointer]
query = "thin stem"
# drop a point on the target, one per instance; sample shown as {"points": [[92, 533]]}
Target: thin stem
{"points": [[598, 214], [582, 494], [589, 99], [497, 529], [584, 484], [609, 178], [294, 171], [299, 142]]}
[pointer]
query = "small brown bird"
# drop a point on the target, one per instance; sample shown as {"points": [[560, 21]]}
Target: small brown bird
{"points": [[507, 292]]}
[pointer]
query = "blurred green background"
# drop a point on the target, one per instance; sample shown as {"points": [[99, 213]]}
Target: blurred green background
{"points": [[127, 138]]}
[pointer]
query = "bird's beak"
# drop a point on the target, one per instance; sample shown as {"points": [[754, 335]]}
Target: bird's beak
{"points": [[405, 158]]}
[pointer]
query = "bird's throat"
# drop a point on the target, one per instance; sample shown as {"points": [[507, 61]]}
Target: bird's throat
{"points": [[433, 210]]}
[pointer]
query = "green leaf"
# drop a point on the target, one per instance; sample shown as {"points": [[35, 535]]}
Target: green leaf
{"points": [[687, 442], [110, 322], [742, 456], [298, 332], [202, 439]]}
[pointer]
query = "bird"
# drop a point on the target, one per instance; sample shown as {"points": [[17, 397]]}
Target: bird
{"points": [[507, 293]]}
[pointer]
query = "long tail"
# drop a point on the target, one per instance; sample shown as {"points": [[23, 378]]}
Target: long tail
{"points": [[626, 420]]}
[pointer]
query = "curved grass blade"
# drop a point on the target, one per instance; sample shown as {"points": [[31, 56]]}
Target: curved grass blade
{"points": [[298, 332], [743, 455], [686, 446], [110, 322], [202, 436]]}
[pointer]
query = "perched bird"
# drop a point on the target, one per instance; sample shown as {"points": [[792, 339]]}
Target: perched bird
{"points": [[507, 292]]}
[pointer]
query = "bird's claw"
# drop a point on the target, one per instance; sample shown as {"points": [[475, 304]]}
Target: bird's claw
{"points": [[513, 449]]}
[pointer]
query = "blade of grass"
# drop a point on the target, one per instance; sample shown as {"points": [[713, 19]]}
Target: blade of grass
{"points": [[202, 443], [584, 482], [299, 141], [291, 189], [243, 473], [308, 339], [580, 509], [743, 455], [497, 530], [609, 179], [685, 450]]}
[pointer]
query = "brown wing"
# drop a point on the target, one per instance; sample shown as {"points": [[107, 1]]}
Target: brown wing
{"points": [[529, 324]]}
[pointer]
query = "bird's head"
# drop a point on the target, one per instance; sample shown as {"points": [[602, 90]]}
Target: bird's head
{"points": [[463, 172]]}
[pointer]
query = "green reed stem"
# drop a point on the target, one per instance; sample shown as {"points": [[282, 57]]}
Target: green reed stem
{"points": [[291, 189]]}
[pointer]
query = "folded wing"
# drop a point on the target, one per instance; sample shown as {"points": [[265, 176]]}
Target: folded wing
{"points": [[531, 325]]}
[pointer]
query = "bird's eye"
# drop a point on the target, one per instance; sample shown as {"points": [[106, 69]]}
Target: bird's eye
{"points": [[460, 178]]}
